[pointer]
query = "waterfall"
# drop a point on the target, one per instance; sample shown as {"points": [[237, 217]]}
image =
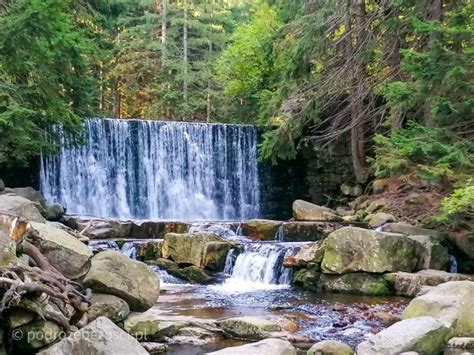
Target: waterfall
{"points": [[259, 265], [157, 170]]}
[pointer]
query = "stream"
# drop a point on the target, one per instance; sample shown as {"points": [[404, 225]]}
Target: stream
{"points": [[255, 283]]}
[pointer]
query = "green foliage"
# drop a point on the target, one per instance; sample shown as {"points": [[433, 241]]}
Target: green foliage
{"points": [[459, 204], [432, 152], [45, 78]]}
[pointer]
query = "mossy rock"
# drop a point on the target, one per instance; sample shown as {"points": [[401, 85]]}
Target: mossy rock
{"points": [[357, 283]]}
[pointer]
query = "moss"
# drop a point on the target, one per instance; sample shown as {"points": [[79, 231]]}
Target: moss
{"points": [[120, 243]]}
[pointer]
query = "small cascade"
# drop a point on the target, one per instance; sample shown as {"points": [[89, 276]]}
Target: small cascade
{"points": [[259, 265], [453, 264], [165, 278], [230, 262], [280, 234], [103, 245], [224, 230], [130, 249]]}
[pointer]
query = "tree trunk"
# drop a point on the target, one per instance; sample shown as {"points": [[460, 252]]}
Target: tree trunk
{"points": [[117, 111], [358, 92], [164, 12], [208, 111], [185, 57]]}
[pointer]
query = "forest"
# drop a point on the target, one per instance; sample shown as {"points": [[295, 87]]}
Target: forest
{"points": [[392, 78]]}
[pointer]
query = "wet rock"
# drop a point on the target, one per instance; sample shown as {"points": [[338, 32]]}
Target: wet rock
{"points": [[64, 251], [357, 283], [387, 318], [378, 219], [109, 306], [7, 250], [408, 229], [248, 327], [306, 211], [54, 212], [153, 326], [330, 347], [451, 303], [260, 229], [101, 336], [307, 254], [307, 279], [155, 348], [307, 231], [352, 249], [194, 335], [422, 334], [215, 254], [435, 256], [36, 335], [459, 346], [263, 347], [150, 250], [21, 207], [133, 281], [191, 274], [188, 248]]}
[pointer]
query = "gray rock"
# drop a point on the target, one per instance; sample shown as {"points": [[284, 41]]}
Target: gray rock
{"points": [[249, 327], [306, 211], [260, 229], [378, 219], [410, 284], [352, 190], [54, 212], [307, 254], [422, 334], [100, 337], [435, 255], [451, 303], [112, 307], [21, 207], [408, 229], [330, 347], [357, 283], [190, 248], [352, 249], [30, 194], [263, 347], [133, 281], [64, 251], [296, 231], [36, 335], [154, 348]]}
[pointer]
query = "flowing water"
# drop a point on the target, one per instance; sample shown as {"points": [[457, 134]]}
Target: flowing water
{"points": [[157, 170]]}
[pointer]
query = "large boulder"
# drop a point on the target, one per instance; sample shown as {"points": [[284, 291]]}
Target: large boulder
{"points": [[357, 283], [451, 303], [21, 207], [7, 250], [249, 327], [100, 337], [30, 194], [112, 307], [188, 248], [307, 231], [411, 284], [54, 212], [64, 251], [330, 347], [352, 249], [306, 211], [133, 281], [261, 229], [464, 241], [263, 347], [424, 335], [435, 256]]}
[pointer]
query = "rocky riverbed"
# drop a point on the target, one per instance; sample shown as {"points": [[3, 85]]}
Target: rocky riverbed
{"points": [[322, 283]]}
